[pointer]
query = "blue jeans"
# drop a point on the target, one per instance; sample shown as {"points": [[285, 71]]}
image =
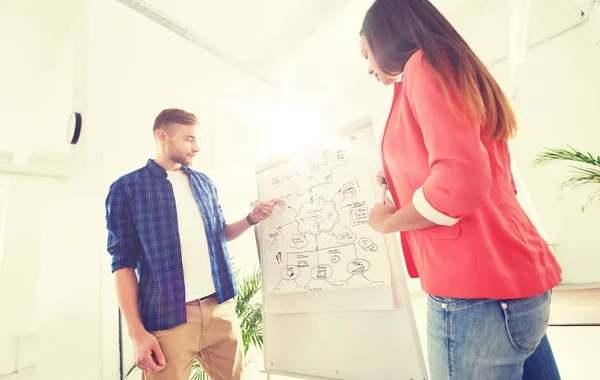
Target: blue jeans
{"points": [[541, 364], [475, 339]]}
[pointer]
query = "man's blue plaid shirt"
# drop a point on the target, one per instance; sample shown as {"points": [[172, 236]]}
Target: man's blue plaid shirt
{"points": [[143, 234]]}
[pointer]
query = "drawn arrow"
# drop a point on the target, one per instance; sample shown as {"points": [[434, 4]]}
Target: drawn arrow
{"points": [[284, 225], [339, 191]]}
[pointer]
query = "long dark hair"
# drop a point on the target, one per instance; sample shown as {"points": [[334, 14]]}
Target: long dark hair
{"points": [[396, 29]]}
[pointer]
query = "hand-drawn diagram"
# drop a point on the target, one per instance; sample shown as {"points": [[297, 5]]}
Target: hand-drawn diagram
{"points": [[274, 239], [317, 217], [318, 238], [368, 245]]}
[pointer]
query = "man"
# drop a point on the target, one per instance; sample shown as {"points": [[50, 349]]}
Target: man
{"points": [[164, 220]]}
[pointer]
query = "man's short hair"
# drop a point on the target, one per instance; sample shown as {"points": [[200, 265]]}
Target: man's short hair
{"points": [[170, 116]]}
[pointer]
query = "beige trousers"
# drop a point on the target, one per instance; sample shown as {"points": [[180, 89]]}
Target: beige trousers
{"points": [[212, 334]]}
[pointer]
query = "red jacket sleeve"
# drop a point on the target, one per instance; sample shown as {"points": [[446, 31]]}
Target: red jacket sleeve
{"points": [[460, 175]]}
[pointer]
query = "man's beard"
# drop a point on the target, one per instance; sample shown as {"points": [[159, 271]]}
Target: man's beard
{"points": [[179, 158]]}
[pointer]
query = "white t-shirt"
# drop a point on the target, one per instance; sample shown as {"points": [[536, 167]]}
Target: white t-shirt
{"points": [[197, 272]]}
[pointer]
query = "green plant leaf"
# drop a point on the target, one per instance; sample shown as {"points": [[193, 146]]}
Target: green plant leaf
{"points": [[560, 154], [131, 370], [588, 173], [198, 372]]}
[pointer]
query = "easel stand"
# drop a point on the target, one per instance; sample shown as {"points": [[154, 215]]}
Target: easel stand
{"points": [[335, 299]]}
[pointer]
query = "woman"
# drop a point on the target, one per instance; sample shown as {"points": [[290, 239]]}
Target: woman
{"points": [[445, 156]]}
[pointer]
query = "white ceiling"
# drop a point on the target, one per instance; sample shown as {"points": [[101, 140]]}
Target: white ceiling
{"points": [[252, 32], [305, 48], [310, 47]]}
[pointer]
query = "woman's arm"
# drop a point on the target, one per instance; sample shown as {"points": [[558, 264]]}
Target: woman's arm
{"points": [[459, 178], [386, 219], [460, 175]]}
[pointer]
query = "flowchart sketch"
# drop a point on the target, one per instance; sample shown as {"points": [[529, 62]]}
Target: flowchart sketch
{"points": [[318, 238]]}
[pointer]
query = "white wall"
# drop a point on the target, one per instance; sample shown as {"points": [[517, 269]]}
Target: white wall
{"points": [[557, 104], [124, 69], [3, 206], [36, 77], [20, 269], [35, 72]]}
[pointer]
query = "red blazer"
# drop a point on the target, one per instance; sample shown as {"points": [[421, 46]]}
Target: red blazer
{"points": [[484, 246]]}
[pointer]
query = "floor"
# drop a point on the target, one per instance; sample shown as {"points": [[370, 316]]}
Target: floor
{"points": [[576, 345], [575, 307]]}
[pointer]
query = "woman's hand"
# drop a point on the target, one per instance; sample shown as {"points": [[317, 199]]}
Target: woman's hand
{"points": [[380, 216]]}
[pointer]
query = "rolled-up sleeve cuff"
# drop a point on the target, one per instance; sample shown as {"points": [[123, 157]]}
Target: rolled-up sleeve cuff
{"points": [[429, 212], [120, 264]]}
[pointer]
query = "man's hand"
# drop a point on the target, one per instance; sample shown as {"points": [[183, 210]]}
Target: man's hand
{"points": [[262, 211], [380, 175], [148, 355]]}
